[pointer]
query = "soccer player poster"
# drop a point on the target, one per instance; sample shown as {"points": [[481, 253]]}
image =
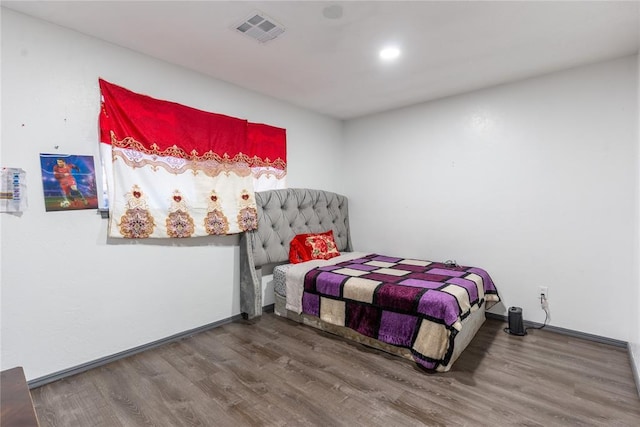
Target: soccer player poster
{"points": [[68, 182]]}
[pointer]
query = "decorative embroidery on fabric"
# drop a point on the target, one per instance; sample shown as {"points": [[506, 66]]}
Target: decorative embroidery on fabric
{"points": [[322, 247], [137, 222], [129, 144], [268, 172], [303, 247], [248, 215], [177, 202], [248, 219], [179, 222], [257, 162], [178, 165], [215, 222]]}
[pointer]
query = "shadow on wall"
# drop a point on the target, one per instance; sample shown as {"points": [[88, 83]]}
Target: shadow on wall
{"points": [[219, 241]]}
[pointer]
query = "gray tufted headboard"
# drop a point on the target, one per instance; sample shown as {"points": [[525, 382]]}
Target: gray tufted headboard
{"points": [[281, 215]]}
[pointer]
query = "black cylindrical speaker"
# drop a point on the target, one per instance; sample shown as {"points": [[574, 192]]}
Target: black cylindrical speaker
{"points": [[516, 325]]}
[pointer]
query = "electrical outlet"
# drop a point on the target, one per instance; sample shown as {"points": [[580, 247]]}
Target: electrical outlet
{"points": [[543, 290]]}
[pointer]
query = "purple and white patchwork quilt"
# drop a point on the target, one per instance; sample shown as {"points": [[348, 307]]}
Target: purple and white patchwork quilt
{"points": [[409, 303]]}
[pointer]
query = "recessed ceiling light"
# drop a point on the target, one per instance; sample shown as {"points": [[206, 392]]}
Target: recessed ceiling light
{"points": [[389, 53]]}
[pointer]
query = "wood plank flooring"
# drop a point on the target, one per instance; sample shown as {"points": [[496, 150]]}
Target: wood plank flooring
{"points": [[275, 372]]}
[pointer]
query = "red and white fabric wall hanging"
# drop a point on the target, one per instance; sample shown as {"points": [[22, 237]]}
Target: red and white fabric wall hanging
{"points": [[175, 171], [267, 149]]}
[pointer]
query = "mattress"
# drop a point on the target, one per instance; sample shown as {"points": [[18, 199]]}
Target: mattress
{"points": [[280, 278]]}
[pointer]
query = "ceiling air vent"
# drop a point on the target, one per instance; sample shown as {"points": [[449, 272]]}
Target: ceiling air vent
{"points": [[260, 27]]}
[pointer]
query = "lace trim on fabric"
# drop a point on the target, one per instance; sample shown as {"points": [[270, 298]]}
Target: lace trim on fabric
{"points": [[130, 144]]}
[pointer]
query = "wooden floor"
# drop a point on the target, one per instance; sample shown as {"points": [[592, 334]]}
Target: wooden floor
{"points": [[277, 372]]}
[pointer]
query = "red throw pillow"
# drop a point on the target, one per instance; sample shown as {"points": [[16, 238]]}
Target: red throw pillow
{"points": [[305, 247]]}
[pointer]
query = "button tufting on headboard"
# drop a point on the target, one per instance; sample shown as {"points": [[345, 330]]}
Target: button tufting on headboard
{"points": [[288, 212]]}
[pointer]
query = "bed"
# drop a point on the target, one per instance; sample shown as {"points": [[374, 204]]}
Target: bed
{"points": [[417, 309]]}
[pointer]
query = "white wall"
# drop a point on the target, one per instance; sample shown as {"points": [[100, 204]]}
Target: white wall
{"points": [[69, 297], [536, 181], [634, 341]]}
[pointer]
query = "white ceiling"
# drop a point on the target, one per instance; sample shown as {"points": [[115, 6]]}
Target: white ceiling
{"points": [[331, 65]]}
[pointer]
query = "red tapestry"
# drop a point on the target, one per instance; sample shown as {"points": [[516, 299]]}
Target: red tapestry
{"points": [[176, 171]]}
